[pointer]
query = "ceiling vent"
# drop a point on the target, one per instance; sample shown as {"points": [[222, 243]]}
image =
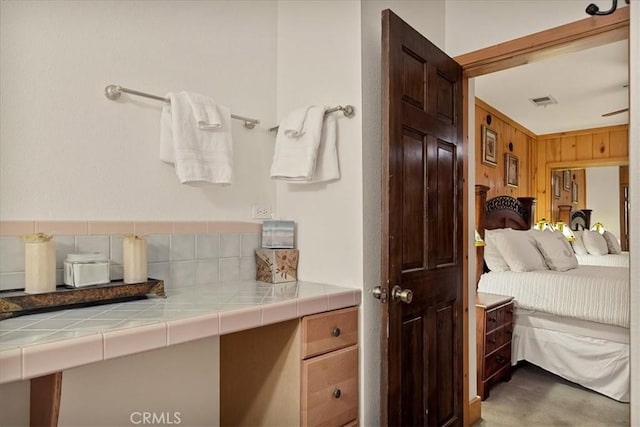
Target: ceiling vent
{"points": [[543, 101]]}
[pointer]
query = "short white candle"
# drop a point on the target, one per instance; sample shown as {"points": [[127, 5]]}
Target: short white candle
{"points": [[39, 264], [134, 259]]}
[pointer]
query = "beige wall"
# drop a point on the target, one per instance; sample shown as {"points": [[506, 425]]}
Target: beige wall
{"points": [[67, 152]]}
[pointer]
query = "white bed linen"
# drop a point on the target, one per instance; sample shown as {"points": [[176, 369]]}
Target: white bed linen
{"points": [[610, 260], [593, 355], [593, 293]]}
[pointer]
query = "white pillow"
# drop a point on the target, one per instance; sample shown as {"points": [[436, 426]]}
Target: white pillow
{"points": [[492, 256], [519, 250], [595, 243], [578, 244], [612, 242], [556, 250]]}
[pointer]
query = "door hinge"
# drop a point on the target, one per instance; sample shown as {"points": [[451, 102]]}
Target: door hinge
{"points": [[380, 293]]}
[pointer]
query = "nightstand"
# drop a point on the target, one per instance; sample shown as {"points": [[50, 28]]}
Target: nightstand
{"points": [[494, 321]]}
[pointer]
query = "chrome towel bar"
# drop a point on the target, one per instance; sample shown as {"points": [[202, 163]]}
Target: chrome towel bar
{"points": [[347, 110], [113, 92]]}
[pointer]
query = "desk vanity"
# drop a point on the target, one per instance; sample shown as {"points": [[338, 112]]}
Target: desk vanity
{"points": [[263, 353]]}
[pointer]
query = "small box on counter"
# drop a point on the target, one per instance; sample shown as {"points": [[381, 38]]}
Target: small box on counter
{"points": [[276, 265], [86, 270], [278, 234]]}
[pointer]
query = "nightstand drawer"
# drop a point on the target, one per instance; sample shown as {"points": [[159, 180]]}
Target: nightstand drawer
{"points": [[322, 333], [494, 362], [330, 388]]}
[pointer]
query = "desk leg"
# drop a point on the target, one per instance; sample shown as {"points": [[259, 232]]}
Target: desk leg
{"points": [[45, 400]]}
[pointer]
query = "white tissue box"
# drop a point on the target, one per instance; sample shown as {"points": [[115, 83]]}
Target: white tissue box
{"points": [[278, 234], [86, 270]]}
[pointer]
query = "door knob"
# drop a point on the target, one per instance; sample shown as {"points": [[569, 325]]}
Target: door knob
{"points": [[404, 295]]}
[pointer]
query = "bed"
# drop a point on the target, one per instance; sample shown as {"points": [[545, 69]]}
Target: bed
{"points": [[573, 323], [606, 260], [609, 254]]}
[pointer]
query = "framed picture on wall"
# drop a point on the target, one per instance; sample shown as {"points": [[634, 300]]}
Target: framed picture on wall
{"points": [[566, 180], [489, 146], [511, 170], [556, 186], [574, 193]]}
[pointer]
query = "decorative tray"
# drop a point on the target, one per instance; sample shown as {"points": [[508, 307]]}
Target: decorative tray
{"points": [[19, 303]]}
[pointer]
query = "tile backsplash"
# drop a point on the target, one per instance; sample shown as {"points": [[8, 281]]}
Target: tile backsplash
{"points": [[192, 253]]}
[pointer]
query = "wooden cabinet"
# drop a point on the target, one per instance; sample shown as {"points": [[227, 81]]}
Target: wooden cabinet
{"points": [[261, 368], [494, 320], [329, 392]]}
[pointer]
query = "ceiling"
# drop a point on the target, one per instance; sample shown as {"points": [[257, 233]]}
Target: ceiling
{"points": [[586, 85]]}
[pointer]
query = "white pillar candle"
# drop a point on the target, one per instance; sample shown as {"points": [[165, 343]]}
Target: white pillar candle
{"points": [[134, 259], [39, 264]]}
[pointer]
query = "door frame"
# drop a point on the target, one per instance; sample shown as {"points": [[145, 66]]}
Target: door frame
{"points": [[575, 36]]}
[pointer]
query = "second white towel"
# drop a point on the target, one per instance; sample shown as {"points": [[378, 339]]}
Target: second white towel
{"points": [[309, 154]]}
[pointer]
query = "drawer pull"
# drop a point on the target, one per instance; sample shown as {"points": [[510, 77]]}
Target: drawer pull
{"points": [[510, 311], [492, 341], [337, 393], [492, 319], [500, 359], [335, 332]]}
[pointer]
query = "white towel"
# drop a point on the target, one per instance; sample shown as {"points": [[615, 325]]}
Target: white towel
{"points": [[294, 158], [327, 167], [195, 135], [293, 124]]}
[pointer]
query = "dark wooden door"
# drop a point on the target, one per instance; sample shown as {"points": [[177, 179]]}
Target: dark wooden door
{"points": [[421, 229]]}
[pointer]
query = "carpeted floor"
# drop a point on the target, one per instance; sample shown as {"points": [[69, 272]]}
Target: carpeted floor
{"points": [[535, 397]]}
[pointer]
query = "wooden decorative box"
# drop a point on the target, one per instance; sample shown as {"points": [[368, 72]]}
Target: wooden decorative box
{"points": [[276, 265]]}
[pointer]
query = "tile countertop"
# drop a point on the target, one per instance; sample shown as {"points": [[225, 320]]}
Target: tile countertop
{"points": [[40, 344]]}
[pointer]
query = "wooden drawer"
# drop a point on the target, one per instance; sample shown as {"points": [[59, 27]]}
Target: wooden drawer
{"points": [[506, 314], [496, 361], [330, 388], [492, 319], [325, 332]]}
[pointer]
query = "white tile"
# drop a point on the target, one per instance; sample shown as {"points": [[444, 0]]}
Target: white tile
{"points": [[91, 244], [10, 281], [64, 245], [229, 245], [183, 273], [158, 248], [134, 340], [279, 312], [183, 330], [247, 268], [239, 320], [11, 254], [208, 246], [11, 362], [53, 323], [207, 271], [341, 300], [117, 272], [249, 243], [312, 305], [160, 271], [116, 250], [56, 356], [229, 269], [183, 247]]}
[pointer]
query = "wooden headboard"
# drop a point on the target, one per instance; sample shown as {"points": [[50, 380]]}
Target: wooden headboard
{"points": [[501, 212], [580, 219]]}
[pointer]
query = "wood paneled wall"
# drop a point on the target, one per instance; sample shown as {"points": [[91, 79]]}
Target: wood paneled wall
{"points": [[606, 146], [542, 156], [508, 131], [577, 176]]}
